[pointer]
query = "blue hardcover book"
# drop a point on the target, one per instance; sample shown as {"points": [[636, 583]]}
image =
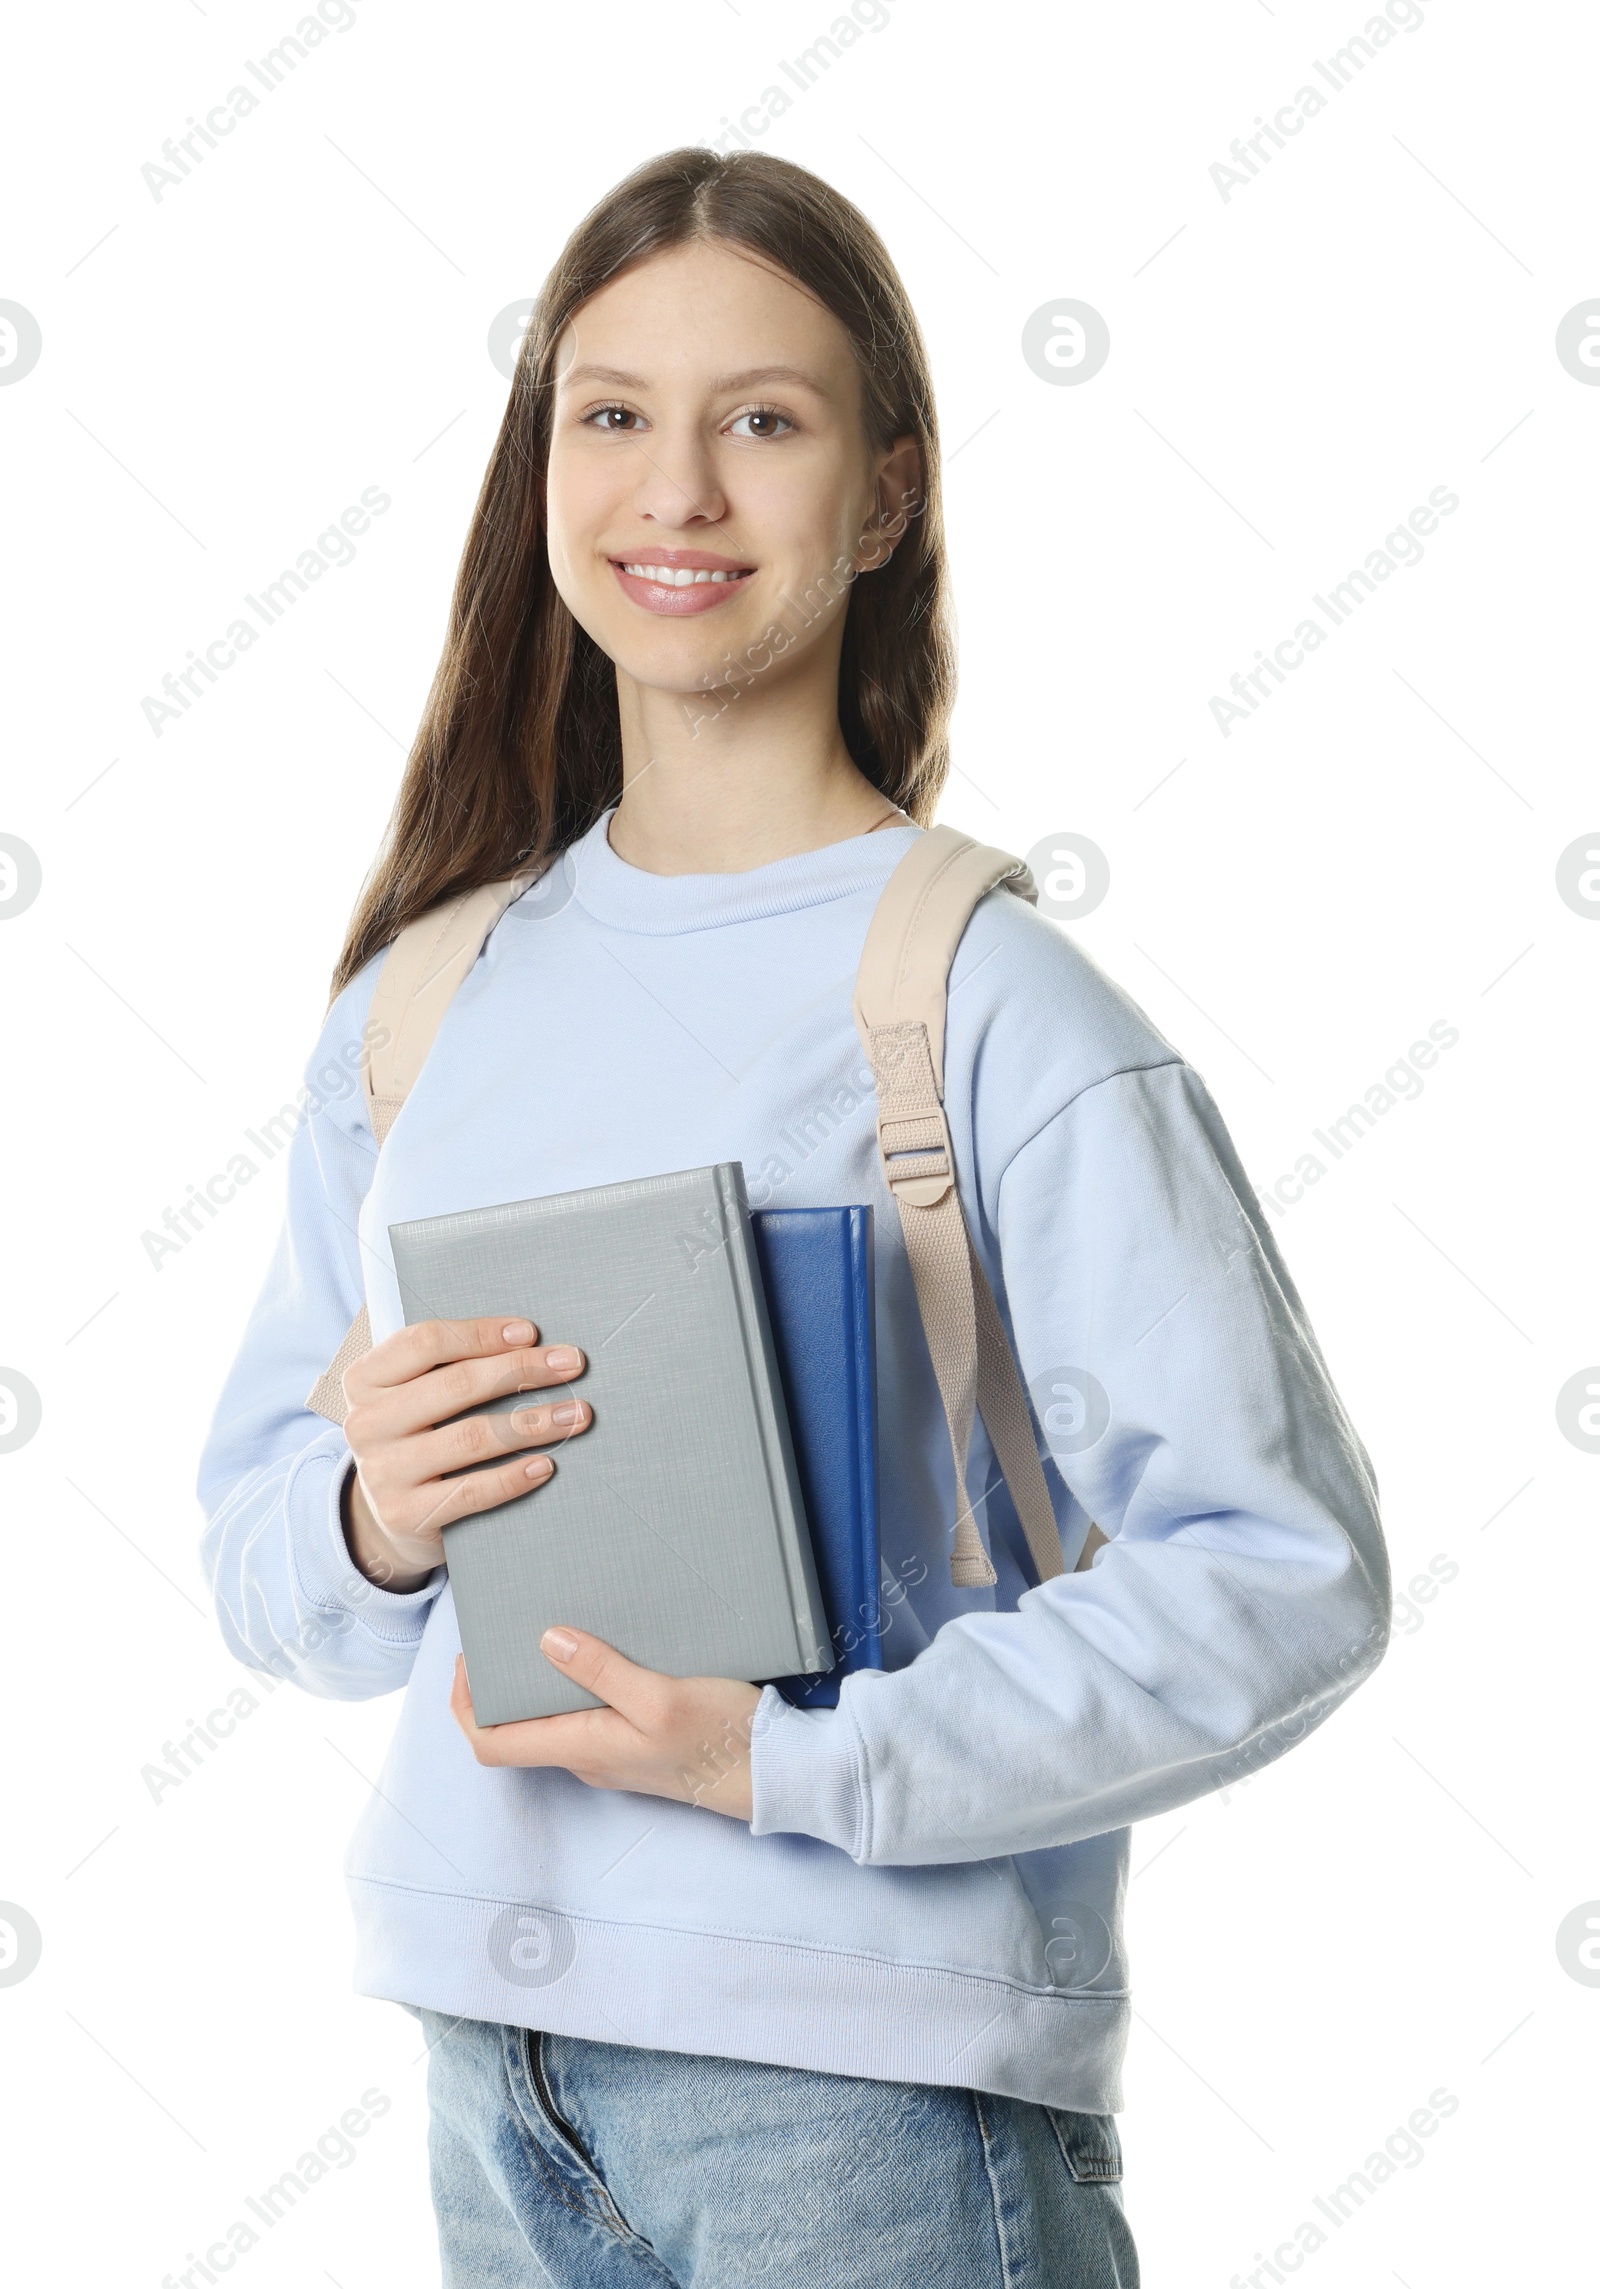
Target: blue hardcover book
{"points": [[816, 1270]]}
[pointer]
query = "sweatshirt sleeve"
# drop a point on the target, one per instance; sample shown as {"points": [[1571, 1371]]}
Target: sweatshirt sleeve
{"points": [[1244, 1590], [287, 1593]]}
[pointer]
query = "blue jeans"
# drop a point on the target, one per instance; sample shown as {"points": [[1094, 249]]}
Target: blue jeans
{"points": [[590, 2165]]}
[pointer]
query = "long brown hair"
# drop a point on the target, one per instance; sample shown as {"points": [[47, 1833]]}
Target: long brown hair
{"points": [[519, 749]]}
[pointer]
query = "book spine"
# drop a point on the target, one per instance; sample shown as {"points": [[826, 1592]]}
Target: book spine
{"points": [[813, 1650], [864, 1383]]}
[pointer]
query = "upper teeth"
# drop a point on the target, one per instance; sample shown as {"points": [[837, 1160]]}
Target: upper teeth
{"points": [[679, 576]]}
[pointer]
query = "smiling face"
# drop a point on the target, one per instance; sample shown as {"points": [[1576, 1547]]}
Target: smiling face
{"points": [[710, 481]]}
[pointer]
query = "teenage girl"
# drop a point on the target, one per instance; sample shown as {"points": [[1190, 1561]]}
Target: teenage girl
{"points": [[849, 2007]]}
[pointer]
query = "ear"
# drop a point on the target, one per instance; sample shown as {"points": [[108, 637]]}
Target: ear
{"points": [[899, 498]]}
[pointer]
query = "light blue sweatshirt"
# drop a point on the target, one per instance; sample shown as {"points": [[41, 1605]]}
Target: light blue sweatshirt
{"points": [[931, 1886]]}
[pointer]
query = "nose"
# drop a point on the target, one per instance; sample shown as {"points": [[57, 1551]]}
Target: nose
{"points": [[678, 483]]}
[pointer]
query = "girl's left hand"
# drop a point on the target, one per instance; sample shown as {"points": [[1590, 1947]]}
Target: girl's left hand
{"points": [[687, 1738]]}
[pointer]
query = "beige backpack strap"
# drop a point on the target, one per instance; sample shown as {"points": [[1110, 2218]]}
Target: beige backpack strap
{"points": [[417, 984], [900, 999], [326, 1395], [410, 995]]}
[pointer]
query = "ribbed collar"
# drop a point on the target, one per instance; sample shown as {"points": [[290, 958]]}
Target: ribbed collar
{"points": [[662, 905]]}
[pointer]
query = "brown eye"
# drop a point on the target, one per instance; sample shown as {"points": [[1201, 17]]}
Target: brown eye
{"points": [[768, 415]]}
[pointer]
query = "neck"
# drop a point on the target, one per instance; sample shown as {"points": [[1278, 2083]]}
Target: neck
{"points": [[735, 780]]}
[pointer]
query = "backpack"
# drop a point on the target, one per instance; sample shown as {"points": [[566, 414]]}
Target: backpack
{"points": [[899, 1009]]}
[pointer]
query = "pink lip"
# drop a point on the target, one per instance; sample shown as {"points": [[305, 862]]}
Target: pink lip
{"points": [[682, 559], [679, 603]]}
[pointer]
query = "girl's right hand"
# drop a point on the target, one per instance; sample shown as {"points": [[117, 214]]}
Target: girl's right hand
{"points": [[401, 1395]]}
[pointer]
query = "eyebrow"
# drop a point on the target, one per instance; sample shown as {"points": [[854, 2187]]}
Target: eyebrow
{"points": [[745, 380]]}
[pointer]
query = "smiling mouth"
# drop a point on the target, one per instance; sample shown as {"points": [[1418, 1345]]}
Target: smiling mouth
{"points": [[681, 575], [678, 591]]}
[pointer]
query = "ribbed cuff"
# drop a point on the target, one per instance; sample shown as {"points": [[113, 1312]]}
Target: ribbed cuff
{"points": [[806, 1774], [325, 1573]]}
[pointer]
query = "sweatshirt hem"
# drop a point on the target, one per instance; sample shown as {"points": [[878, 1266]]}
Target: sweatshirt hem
{"points": [[815, 2008]]}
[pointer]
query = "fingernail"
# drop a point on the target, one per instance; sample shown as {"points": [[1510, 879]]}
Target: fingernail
{"points": [[560, 1644], [562, 1360], [540, 1467], [570, 1411], [516, 1331]]}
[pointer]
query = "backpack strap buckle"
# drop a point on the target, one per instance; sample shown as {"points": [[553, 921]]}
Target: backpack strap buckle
{"points": [[913, 1135]]}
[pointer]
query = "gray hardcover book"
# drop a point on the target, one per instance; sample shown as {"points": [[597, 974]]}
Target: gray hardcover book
{"points": [[674, 1526]]}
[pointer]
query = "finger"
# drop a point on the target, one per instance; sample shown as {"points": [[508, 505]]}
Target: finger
{"points": [[570, 1741], [414, 1512], [412, 1351], [437, 1393], [583, 1741], [450, 1390], [635, 1693], [483, 1740], [482, 1438], [461, 1699]]}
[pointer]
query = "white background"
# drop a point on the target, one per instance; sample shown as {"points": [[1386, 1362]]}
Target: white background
{"points": [[1292, 370]]}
